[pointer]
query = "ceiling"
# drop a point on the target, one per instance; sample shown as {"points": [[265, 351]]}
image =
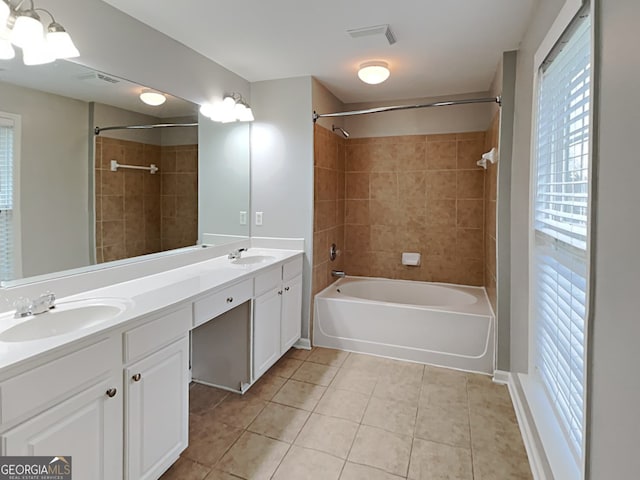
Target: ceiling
{"points": [[443, 47], [76, 81]]}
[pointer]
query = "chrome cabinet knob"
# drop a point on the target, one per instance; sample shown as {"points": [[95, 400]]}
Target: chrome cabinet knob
{"points": [[279, 292], [286, 289], [229, 299], [112, 392], [136, 377]]}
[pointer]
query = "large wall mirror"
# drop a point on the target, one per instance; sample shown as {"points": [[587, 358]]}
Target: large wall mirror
{"points": [[63, 207]]}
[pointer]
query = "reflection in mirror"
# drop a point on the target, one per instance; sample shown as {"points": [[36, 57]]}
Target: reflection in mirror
{"points": [[224, 167], [59, 211]]}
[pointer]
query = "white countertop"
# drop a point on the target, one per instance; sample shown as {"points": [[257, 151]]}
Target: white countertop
{"points": [[144, 296]]}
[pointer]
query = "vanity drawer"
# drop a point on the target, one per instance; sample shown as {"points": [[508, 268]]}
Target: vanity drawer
{"points": [[152, 335], [292, 269], [36, 389], [267, 280], [218, 303]]}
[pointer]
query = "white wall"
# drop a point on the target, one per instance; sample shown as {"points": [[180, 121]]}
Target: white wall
{"points": [[115, 43], [54, 167], [615, 356], [458, 118], [282, 167], [326, 102], [542, 19], [223, 177]]}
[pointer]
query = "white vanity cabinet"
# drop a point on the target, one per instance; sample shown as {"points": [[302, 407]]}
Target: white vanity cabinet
{"points": [[69, 406], [277, 311], [156, 394]]}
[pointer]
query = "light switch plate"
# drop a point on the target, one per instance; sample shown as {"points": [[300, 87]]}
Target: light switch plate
{"points": [[243, 218], [258, 218]]}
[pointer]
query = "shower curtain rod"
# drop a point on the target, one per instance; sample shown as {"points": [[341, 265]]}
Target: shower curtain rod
{"points": [[497, 100], [97, 130]]}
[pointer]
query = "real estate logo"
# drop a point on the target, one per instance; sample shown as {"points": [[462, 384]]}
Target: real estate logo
{"points": [[35, 468]]}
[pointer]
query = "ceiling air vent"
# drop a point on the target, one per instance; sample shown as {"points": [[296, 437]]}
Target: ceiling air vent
{"points": [[98, 78], [372, 31]]}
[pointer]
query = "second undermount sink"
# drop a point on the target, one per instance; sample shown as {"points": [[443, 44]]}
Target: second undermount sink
{"points": [[65, 318], [253, 259]]}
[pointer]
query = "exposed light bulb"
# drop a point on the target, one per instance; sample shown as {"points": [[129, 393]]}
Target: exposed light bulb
{"points": [[207, 110]]}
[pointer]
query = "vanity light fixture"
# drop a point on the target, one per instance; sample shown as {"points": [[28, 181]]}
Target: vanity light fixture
{"points": [[21, 26], [152, 98], [374, 72], [232, 108]]}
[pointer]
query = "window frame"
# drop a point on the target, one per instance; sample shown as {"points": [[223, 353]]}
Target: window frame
{"points": [[16, 212], [548, 426]]}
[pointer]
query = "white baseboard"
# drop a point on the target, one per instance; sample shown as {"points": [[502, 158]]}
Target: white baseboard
{"points": [[303, 344], [527, 428]]}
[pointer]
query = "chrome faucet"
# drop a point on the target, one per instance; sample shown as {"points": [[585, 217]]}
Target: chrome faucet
{"points": [[42, 304], [236, 253], [338, 273]]}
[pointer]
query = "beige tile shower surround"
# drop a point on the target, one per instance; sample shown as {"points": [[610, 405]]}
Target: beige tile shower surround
{"points": [[329, 205], [421, 193], [329, 415], [490, 200], [139, 213]]}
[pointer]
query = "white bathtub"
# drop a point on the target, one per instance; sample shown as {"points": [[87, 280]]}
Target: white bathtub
{"points": [[439, 324]]}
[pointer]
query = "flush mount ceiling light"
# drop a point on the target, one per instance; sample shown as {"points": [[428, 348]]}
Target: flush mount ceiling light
{"points": [[232, 108], [374, 72], [21, 26], [152, 98]]}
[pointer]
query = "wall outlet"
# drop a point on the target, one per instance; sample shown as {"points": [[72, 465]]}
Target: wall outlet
{"points": [[243, 218], [258, 218]]}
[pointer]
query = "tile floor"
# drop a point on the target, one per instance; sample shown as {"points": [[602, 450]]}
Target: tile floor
{"points": [[328, 414]]}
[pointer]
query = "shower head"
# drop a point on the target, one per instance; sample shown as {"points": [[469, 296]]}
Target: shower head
{"points": [[341, 130]]}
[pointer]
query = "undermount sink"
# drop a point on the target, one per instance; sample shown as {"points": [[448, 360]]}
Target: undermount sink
{"points": [[253, 259], [64, 318]]}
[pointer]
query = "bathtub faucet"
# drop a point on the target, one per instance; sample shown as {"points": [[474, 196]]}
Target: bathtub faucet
{"points": [[338, 273]]}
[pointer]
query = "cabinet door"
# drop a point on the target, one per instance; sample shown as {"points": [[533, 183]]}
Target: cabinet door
{"points": [[157, 411], [266, 331], [87, 427], [291, 326]]}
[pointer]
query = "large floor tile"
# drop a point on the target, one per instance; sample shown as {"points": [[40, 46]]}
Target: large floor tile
{"points": [[315, 373], [328, 434], [449, 425], [219, 475], [343, 404], [489, 464], [328, 356], [185, 469], [435, 461], [354, 471], [266, 387], [280, 422], [392, 415], [407, 391], [299, 394], [302, 463], [285, 367], [203, 398], [355, 380], [443, 376], [298, 354], [253, 457], [381, 449], [238, 410], [209, 440]]}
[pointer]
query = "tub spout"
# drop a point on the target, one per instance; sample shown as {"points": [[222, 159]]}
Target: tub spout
{"points": [[338, 273]]}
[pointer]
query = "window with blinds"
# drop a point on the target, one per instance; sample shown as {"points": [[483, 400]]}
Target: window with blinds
{"points": [[560, 257], [6, 199]]}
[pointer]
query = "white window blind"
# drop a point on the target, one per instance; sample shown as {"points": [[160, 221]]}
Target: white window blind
{"points": [[560, 223], [6, 199]]}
